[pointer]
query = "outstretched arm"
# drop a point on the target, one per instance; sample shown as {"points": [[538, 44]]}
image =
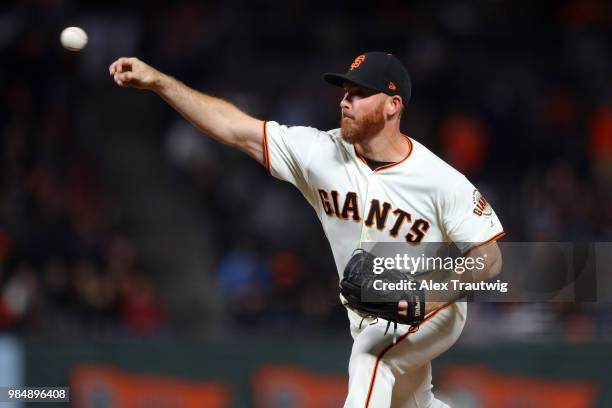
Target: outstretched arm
{"points": [[215, 117]]}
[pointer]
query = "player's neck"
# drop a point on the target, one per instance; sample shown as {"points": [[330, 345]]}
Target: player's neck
{"points": [[387, 146]]}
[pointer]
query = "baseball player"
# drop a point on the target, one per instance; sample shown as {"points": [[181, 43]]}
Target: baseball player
{"points": [[367, 182]]}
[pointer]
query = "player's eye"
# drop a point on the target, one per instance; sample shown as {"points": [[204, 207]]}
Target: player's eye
{"points": [[354, 92]]}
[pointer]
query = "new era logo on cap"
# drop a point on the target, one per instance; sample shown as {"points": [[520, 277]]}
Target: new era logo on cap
{"points": [[379, 71]]}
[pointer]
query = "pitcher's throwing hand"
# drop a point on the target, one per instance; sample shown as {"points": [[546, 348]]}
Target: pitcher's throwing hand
{"points": [[134, 73]]}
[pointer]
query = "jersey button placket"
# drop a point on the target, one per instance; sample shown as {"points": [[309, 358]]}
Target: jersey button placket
{"points": [[366, 234]]}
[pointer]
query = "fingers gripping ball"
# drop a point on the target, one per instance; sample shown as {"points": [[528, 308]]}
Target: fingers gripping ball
{"points": [[359, 280], [133, 73], [73, 38]]}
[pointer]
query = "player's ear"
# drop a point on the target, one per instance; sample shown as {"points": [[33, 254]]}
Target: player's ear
{"points": [[394, 105]]}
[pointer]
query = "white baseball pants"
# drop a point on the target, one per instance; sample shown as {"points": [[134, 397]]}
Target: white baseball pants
{"points": [[383, 374]]}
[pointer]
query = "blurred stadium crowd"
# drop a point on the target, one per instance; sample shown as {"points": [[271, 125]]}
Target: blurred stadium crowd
{"points": [[516, 96]]}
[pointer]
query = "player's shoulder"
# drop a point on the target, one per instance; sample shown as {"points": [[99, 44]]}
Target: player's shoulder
{"points": [[299, 131], [434, 167], [336, 137]]}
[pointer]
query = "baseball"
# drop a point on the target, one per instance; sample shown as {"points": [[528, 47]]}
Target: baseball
{"points": [[73, 38]]}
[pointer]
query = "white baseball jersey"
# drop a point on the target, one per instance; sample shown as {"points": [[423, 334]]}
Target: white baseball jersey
{"points": [[419, 199]]}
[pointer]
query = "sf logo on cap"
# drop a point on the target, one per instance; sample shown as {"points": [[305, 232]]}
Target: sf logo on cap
{"points": [[358, 62]]}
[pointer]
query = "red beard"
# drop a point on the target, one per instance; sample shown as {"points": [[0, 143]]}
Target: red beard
{"points": [[363, 128]]}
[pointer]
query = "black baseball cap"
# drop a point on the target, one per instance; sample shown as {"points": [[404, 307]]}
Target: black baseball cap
{"points": [[376, 70]]}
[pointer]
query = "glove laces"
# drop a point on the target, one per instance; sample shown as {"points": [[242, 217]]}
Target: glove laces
{"points": [[394, 330], [411, 330]]}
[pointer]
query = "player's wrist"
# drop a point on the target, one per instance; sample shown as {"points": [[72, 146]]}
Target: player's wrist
{"points": [[159, 83]]}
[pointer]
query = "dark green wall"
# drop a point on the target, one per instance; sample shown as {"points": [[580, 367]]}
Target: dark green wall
{"points": [[232, 359]]}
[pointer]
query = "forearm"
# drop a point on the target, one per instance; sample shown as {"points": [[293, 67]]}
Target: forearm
{"points": [[213, 116], [217, 118], [491, 257]]}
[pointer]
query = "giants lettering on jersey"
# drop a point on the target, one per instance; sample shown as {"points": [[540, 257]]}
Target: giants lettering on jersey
{"points": [[379, 215]]}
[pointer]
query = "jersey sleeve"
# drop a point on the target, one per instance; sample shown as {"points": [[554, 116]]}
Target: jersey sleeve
{"points": [[468, 219], [287, 151]]}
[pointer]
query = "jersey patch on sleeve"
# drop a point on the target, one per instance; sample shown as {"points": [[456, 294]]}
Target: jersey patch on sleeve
{"points": [[481, 205]]}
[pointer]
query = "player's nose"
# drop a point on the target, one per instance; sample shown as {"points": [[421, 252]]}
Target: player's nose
{"points": [[344, 103]]}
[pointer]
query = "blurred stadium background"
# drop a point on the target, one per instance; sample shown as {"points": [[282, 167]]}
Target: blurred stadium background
{"points": [[144, 265]]}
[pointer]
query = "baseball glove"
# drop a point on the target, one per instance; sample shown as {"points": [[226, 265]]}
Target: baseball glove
{"points": [[359, 280]]}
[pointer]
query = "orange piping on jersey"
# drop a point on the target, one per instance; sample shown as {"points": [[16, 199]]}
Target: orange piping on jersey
{"points": [[390, 346], [388, 166], [362, 158], [265, 148], [488, 241]]}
